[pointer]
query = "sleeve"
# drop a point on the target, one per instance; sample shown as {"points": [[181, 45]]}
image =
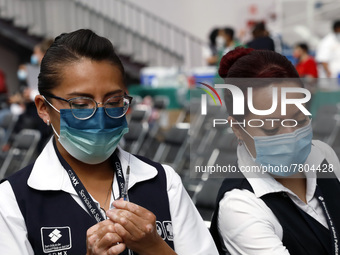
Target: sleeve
{"points": [[248, 226], [13, 234], [191, 235], [323, 53]]}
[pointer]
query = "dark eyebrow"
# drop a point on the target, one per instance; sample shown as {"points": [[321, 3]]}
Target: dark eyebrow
{"points": [[79, 94]]}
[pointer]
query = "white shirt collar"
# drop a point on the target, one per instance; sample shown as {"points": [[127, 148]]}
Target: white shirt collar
{"points": [[49, 174], [264, 183]]}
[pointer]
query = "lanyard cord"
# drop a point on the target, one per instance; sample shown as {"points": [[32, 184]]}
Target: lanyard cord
{"points": [[84, 196]]}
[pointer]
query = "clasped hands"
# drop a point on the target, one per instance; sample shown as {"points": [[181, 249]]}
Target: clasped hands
{"points": [[128, 226]]}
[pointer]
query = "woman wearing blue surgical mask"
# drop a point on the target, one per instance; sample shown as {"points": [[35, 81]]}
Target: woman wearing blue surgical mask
{"points": [[84, 194], [284, 198]]}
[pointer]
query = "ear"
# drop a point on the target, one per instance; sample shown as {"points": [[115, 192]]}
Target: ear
{"points": [[236, 128], [42, 109]]}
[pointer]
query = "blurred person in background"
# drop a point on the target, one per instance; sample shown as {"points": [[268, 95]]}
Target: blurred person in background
{"points": [[306, 65], [261, 39], [211, 53], [306, 68], [84, 194], [328, 53], [22, 102], [230, 41], [3, 92], [3, 86], [281, 210]]}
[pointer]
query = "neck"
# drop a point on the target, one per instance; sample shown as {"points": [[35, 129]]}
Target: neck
{"points": [[230, 43], [304, 57], [97, 179], [297, 184], [98, 172]]}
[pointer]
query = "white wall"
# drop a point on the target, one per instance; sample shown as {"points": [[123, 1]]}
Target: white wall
{"points": [[200, 16]]}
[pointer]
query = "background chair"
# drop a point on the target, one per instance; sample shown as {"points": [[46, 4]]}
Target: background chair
{"points": [[21, 153]]}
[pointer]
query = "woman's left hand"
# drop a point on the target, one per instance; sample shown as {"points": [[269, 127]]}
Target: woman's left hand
{"points": [[137, 227]]}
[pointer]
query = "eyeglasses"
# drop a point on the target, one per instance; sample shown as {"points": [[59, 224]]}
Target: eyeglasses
{"points": [[84, 108]]}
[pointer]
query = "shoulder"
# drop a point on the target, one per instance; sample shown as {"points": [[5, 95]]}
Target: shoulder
{"points": [[310, 61], [327, 150], [171, 176], [9, 208], [241, 209], [327, 40], [173, 179], [6, 192], [240, 201], [22, 175]]}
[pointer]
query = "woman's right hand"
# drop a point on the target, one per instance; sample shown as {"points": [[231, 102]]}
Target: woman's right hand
{"points": [[102, 239]]}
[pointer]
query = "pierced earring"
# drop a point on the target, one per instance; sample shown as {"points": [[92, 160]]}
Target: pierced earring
{"points": [[48, 122]]}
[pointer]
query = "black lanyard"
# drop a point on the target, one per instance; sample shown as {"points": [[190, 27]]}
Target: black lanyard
{"points": [[84, 196], [330, 222]]}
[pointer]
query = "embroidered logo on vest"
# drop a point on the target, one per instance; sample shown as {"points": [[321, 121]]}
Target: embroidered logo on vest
{"points": [[164, 229], [56, 239]]}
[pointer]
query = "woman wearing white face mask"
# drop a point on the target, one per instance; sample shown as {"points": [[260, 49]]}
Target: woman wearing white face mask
{"points": [[281, 203], [84, 194]]}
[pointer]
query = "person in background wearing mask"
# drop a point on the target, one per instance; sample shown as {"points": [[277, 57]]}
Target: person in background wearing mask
{"points": [[282, 205], [29, 117], [224, 41], [84, 194], [230, 42], [38, 53], [306, 65], [328, 53]]}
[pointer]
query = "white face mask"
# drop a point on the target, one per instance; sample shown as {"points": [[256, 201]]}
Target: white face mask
{"points": [[283, 150], [220, 42]]}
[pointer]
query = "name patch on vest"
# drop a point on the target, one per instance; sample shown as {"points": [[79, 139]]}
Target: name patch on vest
{"points": [[56, 239], [164, 229]]}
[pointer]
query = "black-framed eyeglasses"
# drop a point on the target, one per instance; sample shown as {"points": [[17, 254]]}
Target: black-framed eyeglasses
{"points": [[85, 107]]}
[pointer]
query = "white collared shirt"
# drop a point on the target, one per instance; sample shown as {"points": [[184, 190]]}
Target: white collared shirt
{"points": [[329, 51], [248, 226], [190, 233]]}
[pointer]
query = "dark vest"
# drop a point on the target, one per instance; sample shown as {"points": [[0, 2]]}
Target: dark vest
{"points": [[57, 225], [302, 234]]}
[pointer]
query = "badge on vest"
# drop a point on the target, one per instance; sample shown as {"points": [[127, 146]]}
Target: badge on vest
{"points": [[56, 239], [164, 229]]}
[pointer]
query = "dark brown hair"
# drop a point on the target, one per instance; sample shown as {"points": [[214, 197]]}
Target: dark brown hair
{"points": [[245, 63], [70, 48]]}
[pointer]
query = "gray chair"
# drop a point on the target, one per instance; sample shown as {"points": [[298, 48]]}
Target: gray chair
{"points": [[2, 136], [21, 153], [8, 125], [136, 136], [172, 149], [205, 197]]}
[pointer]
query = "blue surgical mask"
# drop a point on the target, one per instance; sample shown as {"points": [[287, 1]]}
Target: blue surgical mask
{"points": [[22, 75], [93, 140], [283, 150], [34, 60]]}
